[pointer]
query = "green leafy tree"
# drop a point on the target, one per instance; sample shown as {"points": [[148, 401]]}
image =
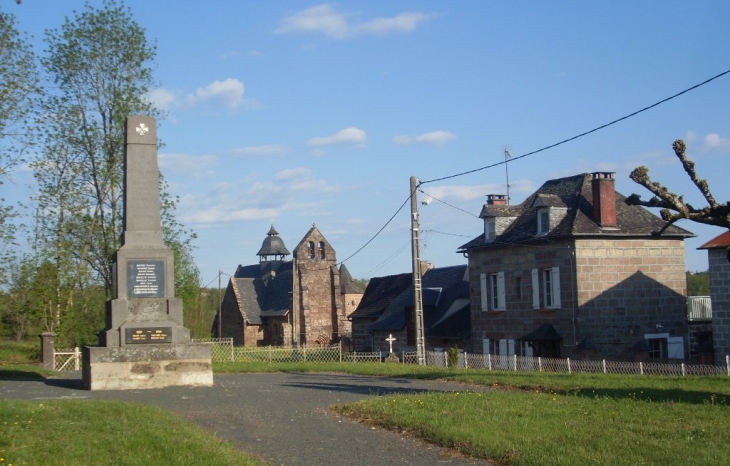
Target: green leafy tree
{"points": [[18, 87], [698, 283], [100, 63]]}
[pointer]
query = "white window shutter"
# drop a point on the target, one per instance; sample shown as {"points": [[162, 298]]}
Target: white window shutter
{"points": [[485, 346], [675, 347], [510, 347], [483, 291], [556, 286], [535, 290], [502, 347], [500, 291]]}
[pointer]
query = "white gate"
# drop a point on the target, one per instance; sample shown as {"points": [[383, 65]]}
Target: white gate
{"points": [[67, 359]]}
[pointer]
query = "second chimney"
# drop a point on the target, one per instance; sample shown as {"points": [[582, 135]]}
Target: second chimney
{"points": [[496, 199]]}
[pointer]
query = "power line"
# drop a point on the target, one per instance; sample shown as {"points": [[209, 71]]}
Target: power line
{"points": [[581, 134], [378, 232], [532, 153], [446, 203]]}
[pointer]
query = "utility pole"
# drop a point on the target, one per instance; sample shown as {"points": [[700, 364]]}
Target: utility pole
{"points": [[220, 306], [417, 286]]}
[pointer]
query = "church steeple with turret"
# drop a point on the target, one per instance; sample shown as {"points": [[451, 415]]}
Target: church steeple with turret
{"points": [[273, 248]]}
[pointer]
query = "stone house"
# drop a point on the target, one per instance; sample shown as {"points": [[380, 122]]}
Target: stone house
{"points": [[387, 309], [574, 268], [287, 302], [718, 254]]}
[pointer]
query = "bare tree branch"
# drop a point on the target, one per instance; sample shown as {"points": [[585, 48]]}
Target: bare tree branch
{"points": [[673, 206]]}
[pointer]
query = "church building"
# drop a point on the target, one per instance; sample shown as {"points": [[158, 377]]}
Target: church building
{"points": [[283, 302]]}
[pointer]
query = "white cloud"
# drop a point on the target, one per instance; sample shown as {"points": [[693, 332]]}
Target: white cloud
{"points": [[161, 98], [255, 53], [404, 22], [715, 142], [195, 165], [293, 190], [346, 136], [326, 20], [228, 93], [266, 150], [435, 137], [471, 192], [231, 54]]}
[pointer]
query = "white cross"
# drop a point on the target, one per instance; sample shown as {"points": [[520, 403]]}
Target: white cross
{"points": [[390, 340], [142, 129]]}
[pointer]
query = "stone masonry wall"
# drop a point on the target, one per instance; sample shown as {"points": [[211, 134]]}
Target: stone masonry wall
{"points": [[520, 318], [628, 288], [318, 303], [720, 294]]}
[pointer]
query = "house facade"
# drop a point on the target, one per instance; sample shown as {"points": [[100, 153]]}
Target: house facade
{"points": [[574, 267], [282, 301], [718, 254]]}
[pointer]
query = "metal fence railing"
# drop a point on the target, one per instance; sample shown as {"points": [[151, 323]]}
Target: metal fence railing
{"points": [[699, 308], [223, 350]]}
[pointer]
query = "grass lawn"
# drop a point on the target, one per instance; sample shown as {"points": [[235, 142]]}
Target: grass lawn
{"points": [[545, 418], [530, 418], [105, 433]]}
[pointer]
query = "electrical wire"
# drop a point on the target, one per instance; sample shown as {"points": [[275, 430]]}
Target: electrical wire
{"points": [[468, 172], [581, 134]]}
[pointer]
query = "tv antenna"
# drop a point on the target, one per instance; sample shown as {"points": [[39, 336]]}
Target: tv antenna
{"points": [[507, 156]]}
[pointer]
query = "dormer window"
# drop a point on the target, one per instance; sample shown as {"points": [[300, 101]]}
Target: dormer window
{"points": [[543, 221], [490, 229]]}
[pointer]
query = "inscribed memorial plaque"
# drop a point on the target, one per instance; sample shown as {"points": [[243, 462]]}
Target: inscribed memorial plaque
{"points": [[148, 335], [146, 278]]}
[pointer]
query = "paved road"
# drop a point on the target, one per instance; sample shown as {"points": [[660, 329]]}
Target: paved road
{"points": [[282, 418]]}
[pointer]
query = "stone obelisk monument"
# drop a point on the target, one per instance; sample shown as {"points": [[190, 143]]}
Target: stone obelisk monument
{"points": [[145, 344]]}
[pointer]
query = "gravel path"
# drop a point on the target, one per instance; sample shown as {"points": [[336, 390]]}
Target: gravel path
{"points": [[282, 418]]}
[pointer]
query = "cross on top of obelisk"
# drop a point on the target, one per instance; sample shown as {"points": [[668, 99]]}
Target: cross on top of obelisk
{"points": [[390, 341]]}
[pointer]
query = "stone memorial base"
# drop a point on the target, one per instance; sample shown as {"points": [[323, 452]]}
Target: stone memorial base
{"points": [[392, 358], [147, 366]]}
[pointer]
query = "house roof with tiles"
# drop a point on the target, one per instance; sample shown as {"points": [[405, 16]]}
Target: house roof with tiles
{"points": [[574, 197], [445, 298]]}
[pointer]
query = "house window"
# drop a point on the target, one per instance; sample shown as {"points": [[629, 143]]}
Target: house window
{"points": [[658, 348], [490, 231], [549, 288], [310, 248], [321, 249], [483, 291], [496, 281], [503, 347], [543, 221]]}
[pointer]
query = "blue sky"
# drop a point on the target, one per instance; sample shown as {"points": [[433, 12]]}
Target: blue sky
{"points": [[306, 112]]}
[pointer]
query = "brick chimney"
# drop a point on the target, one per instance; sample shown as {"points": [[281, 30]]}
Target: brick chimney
{"points": [[496, 199], [604, 199]]}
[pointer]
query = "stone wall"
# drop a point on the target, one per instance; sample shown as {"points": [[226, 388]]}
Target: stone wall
{"points": [[520, 317], [629, 288], [318, 286], [720, 293], [611, 291]]}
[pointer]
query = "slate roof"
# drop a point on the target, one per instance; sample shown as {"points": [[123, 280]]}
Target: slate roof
{"points": [[258, 298], [576, 194], [379, 293], [347, 284], [273, 245], [445, 304]]}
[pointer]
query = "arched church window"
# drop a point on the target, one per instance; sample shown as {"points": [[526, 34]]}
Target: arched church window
{"points": [[321, 250], [310, 246]]}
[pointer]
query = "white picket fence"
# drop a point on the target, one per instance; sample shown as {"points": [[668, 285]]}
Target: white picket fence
{"points": [[224, 350]]}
